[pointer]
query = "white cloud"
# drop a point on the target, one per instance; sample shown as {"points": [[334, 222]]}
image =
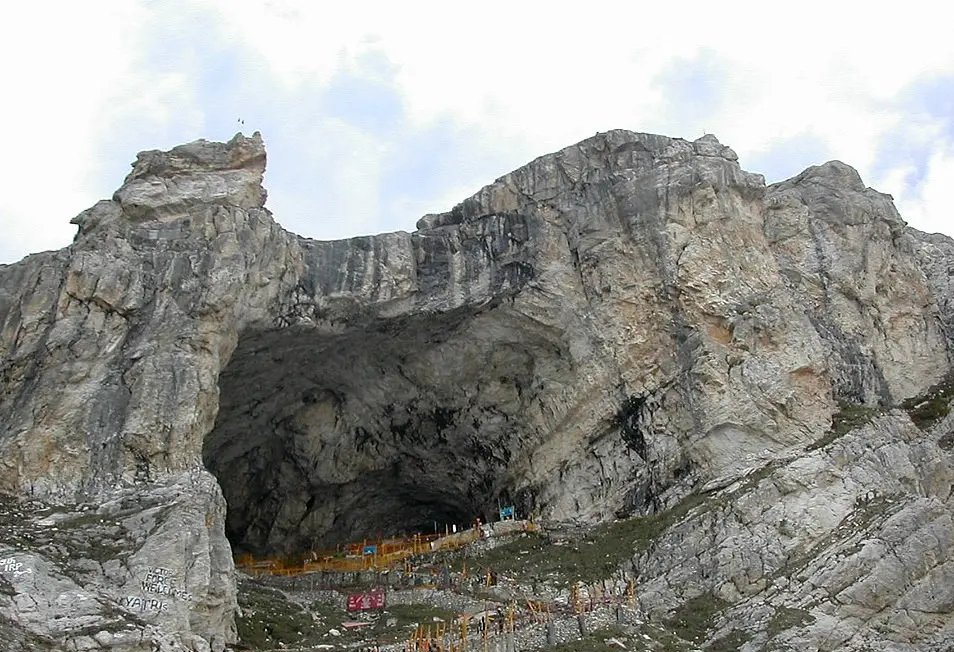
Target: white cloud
{"points": [[541, 78], [355, 206], [59, 62], [930, 207]]}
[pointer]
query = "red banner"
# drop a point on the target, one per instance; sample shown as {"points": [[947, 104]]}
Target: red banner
{"points": [[364, 601]]}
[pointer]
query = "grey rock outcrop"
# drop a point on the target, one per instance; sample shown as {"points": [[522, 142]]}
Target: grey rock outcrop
{"points": [[854, 267], [847, 547], [603, 331]]}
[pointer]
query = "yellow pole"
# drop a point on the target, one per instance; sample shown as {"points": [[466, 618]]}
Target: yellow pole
{"points": [[486, 628]]}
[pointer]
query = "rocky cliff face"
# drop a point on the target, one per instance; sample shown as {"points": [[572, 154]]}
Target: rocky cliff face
{"points": [[601, 332]]}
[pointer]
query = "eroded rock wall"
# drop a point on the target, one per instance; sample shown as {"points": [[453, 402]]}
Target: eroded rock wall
{"points": [[110, 355], [854, 267], [602, 331], [846, 547]]}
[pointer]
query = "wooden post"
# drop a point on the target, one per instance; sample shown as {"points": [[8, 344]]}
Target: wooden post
{"points": [[581, 624], [486, 628]]}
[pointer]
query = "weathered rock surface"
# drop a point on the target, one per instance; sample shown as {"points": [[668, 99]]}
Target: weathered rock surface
{"points": [[847, 547], [603, 331]]}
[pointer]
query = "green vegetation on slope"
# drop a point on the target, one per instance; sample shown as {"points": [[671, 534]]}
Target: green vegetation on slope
{"points": [[731, 642], [696, 616], [270, 620], [848, 417], [933, 405], [786, 618], [595, 641], [925, 411], [409, 615], [595, 556]]}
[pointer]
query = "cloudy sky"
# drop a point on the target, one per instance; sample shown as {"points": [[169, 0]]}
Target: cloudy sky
{"points": [[375, 113]]}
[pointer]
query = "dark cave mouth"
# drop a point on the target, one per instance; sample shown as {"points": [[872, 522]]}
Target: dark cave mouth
{"points": [[369, 508], [282, 513], [323, 439], [279, 503]]}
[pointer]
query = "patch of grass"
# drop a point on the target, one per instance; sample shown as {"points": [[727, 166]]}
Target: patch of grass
{"points": [[848, 417], [595, 641], [271, 620], [595, 556], [865, 512], [504, 557], [672, 643], [329, 615], [932, 406], [751, 481], [608, 545], [643, 530], [787, 618], [695, 617], [408, 614], [404, 618], [925, 411], [730, 642]]}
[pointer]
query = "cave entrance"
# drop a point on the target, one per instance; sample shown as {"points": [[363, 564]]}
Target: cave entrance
{"points": [[326, 438]]}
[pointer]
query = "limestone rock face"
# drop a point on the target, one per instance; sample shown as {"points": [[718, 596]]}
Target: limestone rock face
{"points": [[598, 333], [847, 547], [853, 266], [935, 254]]}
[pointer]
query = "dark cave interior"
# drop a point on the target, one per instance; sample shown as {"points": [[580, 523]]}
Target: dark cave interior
{"points": [[325, 438]]}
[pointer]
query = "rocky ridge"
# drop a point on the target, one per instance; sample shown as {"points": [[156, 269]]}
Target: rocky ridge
{"points": [[605, 331]]}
